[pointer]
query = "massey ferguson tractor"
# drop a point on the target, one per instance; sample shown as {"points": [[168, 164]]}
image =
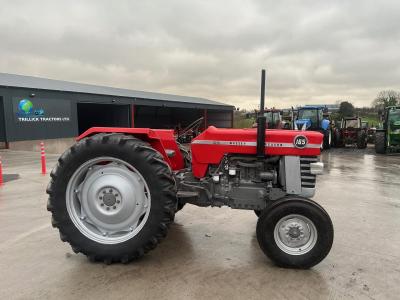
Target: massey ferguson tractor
{"points": [[387, 139], [115, 192]]}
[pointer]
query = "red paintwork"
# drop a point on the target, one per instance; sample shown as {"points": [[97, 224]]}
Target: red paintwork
{"points": [[159, 139], [205, 154]]}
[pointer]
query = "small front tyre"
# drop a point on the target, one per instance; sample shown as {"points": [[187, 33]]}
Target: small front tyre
{"points": [[327, 142], [295, 233]]}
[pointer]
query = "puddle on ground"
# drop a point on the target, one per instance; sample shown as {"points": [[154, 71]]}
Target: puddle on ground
{"points": [[10, 177]]}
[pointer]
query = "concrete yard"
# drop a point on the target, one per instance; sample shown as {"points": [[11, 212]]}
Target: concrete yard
{"points": [[211, 253]]}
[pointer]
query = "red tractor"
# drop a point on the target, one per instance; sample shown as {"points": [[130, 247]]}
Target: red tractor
{"points": [[273, 119], [349, 132], [115, 192]]}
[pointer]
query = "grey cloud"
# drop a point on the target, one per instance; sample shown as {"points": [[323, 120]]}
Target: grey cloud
{"points": [[314, 51]]}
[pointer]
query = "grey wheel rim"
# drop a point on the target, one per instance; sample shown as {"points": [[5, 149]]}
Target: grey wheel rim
{"points": [[108, 200], [295, 234]]}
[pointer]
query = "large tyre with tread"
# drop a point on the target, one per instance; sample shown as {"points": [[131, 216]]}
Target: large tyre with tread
{"points": [[258, 212], [327, 139], [337, 139], [295, 232], [112, 197], [361, 140], [380, 142]]}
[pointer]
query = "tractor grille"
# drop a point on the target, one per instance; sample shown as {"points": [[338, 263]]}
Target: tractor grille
{"points": [[307, 179]]}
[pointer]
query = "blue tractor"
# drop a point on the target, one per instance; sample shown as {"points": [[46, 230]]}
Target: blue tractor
{"points": [[314, 118]]}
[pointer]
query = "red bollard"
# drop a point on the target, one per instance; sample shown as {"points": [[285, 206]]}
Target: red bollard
{"points": [[43, 158], [1, 172]]}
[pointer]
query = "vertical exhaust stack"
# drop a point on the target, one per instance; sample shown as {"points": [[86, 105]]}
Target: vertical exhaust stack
{"points": [[261, 120]]}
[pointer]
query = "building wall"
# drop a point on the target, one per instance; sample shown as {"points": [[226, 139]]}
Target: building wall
{"points": [[54, 115], [2, 124]]}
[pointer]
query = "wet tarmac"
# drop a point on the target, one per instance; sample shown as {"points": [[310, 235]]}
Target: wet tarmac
{"points": [[211, 253]]}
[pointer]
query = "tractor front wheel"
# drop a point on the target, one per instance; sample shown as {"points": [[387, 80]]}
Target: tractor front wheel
{"points": [[295, 233], [380, 142], [112, 197], [327, 139]]}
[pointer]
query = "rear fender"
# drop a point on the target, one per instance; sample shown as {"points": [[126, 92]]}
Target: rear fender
{"points": [[163, 140]]}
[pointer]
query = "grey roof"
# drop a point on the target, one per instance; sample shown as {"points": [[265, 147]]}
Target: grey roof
{"points": [[22, 81]]}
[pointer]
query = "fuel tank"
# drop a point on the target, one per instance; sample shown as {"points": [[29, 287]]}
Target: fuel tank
{"points": [[211, 145]]}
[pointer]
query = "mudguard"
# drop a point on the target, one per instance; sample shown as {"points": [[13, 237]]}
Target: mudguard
{"points": [[163, 140]]}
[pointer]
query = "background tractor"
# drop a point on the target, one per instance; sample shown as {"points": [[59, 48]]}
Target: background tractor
{"points": [[387, 139], [370, 131], [350, 132], [314, 118], [115, 192], [273, 119]]}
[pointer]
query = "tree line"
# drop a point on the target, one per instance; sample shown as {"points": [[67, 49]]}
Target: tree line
{"points": [[383, 99]]}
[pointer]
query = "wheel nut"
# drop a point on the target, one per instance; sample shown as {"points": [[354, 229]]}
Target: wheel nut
{"points": [[118, 201], [114, 207], [108, 208], [100, 198], [102, 204], [116, 195]]}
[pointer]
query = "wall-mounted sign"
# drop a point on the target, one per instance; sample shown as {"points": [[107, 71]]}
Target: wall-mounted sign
{"points": [[41, 110]]}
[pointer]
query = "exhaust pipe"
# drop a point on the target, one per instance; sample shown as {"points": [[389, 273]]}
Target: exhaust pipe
{"points": [[261, 120]]}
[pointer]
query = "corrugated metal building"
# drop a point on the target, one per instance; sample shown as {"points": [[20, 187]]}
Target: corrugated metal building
{"points": [[33, 109]]}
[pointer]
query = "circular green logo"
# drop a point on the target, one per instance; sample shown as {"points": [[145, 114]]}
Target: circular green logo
{"points": [[25, 106]]}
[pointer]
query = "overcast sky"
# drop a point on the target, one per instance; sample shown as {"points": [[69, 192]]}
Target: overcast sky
{"points": [[314, 51]]}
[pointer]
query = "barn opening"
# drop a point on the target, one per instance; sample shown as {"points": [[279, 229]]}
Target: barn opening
{"points": [[102, 115], [165, 117]]}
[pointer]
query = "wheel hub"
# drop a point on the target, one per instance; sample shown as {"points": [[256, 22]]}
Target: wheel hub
{"points": [[295, 234], [110, 197], [110, 202]]}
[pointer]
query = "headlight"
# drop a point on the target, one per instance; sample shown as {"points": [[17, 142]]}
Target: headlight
{"points": [[316, 168]]}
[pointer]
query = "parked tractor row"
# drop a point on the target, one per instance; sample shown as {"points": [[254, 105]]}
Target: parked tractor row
{"points": [[349, 131]]}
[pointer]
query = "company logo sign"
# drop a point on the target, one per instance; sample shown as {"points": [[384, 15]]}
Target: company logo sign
{"points": [[26, 109], [300, 141], [27, 112]]}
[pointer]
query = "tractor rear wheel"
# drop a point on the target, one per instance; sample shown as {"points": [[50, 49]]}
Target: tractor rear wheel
{"points": [[337, 139], [380, 142], [295, 233], [112, 197], [361, 140], [258, 212]]}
